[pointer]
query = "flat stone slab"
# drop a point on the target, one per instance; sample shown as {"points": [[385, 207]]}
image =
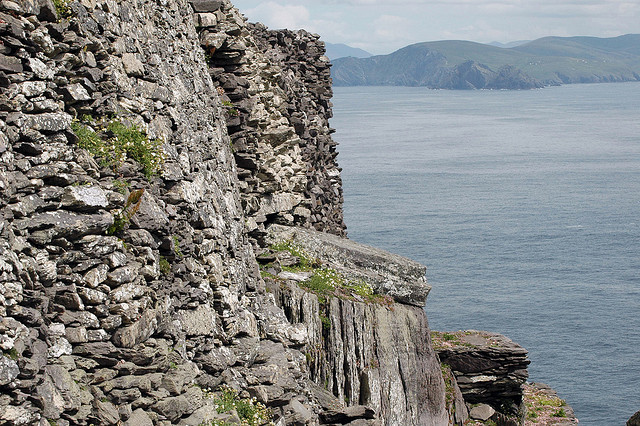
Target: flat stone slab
{"points": [[387, 273]]}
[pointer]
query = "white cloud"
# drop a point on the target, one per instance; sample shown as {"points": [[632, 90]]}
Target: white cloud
{"points": [[275, 15], [381, 26]]}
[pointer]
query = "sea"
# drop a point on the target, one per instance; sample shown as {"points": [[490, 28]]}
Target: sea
{"points": [[525, 208]]}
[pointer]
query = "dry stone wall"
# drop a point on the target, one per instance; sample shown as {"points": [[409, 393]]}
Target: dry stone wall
{"points": [[130, 327], [126, 294], [276, 86]]}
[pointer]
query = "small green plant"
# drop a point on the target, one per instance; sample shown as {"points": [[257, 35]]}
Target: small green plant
{"points": [[173, 365], [305, 261], [176, 245], [116, 142], [326, 323], [136, 144], [11, 354], [121, 185], [163, 265], [123, 217], [62, 8], [251, 412], [559, 413]]}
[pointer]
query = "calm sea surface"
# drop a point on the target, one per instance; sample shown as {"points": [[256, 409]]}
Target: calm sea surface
{"points": [[525, 207]]}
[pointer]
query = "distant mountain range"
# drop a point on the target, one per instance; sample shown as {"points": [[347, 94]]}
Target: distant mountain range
{"points": [[335, 51], [469, 65]]}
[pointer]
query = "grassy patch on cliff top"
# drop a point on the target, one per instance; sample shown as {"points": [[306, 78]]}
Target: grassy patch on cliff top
{"points": [[325, 282]]}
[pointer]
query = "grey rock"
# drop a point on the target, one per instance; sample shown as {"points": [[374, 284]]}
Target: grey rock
{"points": [[84, 198], [76, 92], [132, 65], [141, 330], [390, 274], [68, 224], [206, 5], [105, 412], [634, 420], [202, 321], [174, 407], [8, 370], [139, 418], [10, 64], [482, 412], [47, 122]]}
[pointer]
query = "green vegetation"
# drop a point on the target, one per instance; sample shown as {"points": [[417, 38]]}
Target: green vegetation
{"points": [[443, 340], [230, 108], [164, 266], [121, 185], [11, 354], [62, 8], [542, 406], [176, 246], [116, 142], [250, 412], [123, 217], [449, 388], [326, 323], [133, 142], [559, 413], [324, 282]]}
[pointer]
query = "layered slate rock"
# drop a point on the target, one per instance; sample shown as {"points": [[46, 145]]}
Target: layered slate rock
{"points": [[368, 351], [489, 368]]}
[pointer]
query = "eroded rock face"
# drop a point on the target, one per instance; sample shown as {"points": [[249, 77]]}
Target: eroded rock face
{"points": [[389, 274], [370, 352], [489, 367]]}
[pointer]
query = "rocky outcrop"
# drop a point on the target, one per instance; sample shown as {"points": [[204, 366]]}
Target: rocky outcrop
{"points": [[489, 368], [634, 420], [375, 352]]}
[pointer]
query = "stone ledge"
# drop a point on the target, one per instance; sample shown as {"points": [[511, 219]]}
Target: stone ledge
{"points": [[388, 274]]}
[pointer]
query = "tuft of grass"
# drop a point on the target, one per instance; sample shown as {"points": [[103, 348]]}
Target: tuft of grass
{"points": [[117, 142], [11, 354], [251, 412], [176, 246], [62, 8], [135, 143], [164, 266]]}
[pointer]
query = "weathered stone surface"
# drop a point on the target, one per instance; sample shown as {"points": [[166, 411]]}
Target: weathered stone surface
{"points": [[8, 370], [139, 418], [387, 273], [84, 198], [141, 330], [481, 412], [67, 224], [206, 5], [489, 367], [132, 65], [634, 420], [201, 321]]}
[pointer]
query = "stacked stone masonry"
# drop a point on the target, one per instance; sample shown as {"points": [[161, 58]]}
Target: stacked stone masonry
{"points": [[276, 88], [132, 326]]}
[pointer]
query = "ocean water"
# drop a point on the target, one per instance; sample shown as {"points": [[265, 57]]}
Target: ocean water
{"points": [[525, 208]]}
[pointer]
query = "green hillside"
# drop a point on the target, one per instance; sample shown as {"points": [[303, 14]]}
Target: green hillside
{"points": [[549, 60]]}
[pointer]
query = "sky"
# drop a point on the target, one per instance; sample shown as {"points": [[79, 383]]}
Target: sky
{"points": [[383, 26]]}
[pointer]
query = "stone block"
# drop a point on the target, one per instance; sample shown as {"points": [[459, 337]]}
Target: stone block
{"points": [[206, 5]]}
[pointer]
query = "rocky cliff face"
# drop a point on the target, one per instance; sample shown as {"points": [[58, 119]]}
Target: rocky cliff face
{"points": [[139, 175]]}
